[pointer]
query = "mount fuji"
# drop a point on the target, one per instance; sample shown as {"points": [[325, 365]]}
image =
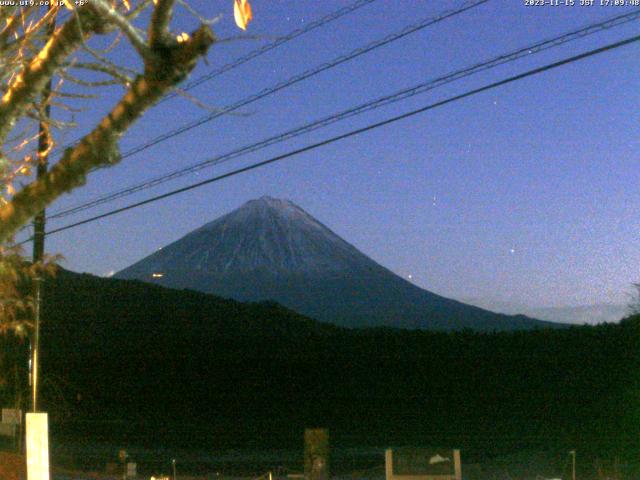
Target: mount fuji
{"points": [[271, 249]]}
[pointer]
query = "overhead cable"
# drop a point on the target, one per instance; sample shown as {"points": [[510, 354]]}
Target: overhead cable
{"points": [[491, 86], [357, 110]]}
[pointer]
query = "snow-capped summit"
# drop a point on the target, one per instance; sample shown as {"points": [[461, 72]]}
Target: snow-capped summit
{"points": [[271, 249], [267, 234]]}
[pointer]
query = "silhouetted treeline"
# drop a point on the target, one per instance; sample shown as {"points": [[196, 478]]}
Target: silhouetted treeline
{"points": [[127, 360]]}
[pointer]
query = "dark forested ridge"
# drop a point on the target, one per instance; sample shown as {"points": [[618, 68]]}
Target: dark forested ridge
{"points": [[123, 359]]}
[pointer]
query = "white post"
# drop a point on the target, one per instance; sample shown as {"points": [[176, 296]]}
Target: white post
{"points": [[37, 446]]}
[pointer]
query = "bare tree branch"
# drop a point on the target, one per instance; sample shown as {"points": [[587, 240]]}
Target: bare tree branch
{"points": [[134, 35], [99, 148], [118, 73], [33, 78], [159, 26]]}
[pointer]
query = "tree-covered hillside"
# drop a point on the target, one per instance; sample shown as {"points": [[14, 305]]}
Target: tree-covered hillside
{"points": [[127, 360]]}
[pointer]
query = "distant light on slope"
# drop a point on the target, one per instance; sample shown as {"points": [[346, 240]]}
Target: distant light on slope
{"points": [[157, 275]]}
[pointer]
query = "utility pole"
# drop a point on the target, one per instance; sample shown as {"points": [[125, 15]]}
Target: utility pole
{"points": [[38, 251], [44, 146]]}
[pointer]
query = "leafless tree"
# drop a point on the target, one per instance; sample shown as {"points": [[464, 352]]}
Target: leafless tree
{"points": [[61, 53], [32, 53]]}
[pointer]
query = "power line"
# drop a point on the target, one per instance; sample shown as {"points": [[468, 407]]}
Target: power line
{"points": [[427, 22], [352, 133], [307, 74], [368, 106], [280, 41], [260, 51]]}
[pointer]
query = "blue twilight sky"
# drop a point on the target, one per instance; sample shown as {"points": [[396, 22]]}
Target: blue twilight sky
{"points": [[527, 193]]}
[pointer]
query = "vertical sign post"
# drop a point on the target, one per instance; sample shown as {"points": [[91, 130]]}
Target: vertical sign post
{"points": [[316, 454], [573, 464], [37, 446]]}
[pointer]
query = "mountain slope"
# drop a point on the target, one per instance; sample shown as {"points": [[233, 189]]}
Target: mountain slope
{"points": [[272, 249]]}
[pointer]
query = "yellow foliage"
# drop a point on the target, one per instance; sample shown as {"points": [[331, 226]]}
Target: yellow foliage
{"points": [[183, 37], [16, 279], [242, 13]]}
